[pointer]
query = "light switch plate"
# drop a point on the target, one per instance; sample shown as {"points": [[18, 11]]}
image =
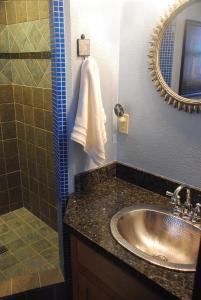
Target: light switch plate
{"points": [[123, 124]]}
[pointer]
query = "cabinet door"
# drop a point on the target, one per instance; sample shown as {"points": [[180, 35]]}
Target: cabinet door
{"points": [[87, 290], [95, 277]]}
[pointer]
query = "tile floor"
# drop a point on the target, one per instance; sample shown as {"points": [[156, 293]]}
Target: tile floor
{"points": [[32, 245]]}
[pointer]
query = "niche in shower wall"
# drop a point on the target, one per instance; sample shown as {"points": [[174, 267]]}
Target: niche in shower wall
{"points": [[26, 147]]}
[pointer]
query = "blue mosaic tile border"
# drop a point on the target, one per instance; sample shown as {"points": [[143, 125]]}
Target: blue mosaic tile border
{"points": [[167, 53], [60, 117]]}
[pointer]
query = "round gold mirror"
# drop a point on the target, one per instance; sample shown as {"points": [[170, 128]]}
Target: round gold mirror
{"points": [[175, 55]]}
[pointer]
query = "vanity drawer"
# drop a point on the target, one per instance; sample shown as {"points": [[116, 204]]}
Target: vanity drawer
{"points": [[105, 276]]}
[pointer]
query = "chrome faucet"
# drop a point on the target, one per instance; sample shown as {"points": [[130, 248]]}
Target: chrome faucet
{"points": [[175, 199], [185, 210]]}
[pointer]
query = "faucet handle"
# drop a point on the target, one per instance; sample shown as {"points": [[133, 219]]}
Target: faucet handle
{"points": [[198, 208], [188, 204], [169, 194], [188, 196], [197, 213], [174, 200]]}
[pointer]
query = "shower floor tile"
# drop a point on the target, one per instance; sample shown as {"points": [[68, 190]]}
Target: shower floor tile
{"points": [[32, 246], [15, 270], [41, 245]]}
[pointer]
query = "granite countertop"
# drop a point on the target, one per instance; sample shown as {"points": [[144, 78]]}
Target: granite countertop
{"points": [[89, 214]]}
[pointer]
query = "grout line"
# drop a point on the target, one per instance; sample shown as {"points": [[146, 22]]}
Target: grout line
{"points": [[22, 85], [14, 138], [7, 103], [39, 279], [11, 282], [7, 173], [18, 153], [30, 105], [6, 17], [4, 159]]}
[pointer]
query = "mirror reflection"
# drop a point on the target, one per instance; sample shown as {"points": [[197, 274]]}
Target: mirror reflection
{"points": [[180, 53]]}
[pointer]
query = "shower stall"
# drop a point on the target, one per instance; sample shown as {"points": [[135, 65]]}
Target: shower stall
{"points": [[28, 208]]}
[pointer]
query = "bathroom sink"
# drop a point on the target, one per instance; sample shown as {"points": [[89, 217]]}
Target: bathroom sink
{"points": [[157, 236]]}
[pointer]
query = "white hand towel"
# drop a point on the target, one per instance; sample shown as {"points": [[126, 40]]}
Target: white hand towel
{"points": [[89, 129]]}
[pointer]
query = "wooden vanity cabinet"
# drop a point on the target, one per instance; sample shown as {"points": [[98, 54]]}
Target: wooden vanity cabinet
{"points": [[95, 277]]}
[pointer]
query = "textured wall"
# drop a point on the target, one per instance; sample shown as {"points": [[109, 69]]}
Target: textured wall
{"points": [[97, 20], [161, 139]]}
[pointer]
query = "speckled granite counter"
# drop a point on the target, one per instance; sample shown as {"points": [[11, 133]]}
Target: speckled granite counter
{"points": [[90, 213]]}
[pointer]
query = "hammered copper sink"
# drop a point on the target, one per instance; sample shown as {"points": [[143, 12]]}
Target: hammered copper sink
{"points": [[157, 236]]}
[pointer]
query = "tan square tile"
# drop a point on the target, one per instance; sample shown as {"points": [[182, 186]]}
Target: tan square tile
{"points": [[15, 245], [16, 270], [28, 115], [2, 278], [38, 97], [5, 288], [51, 277], [6, 261], [24, 283], [47, 99], [28, 95], [6, 94], [41, 245], [8, 217], [43, 9], [17, 93], [21, 11], [35, 264], [11, 12], [24, 253], [51, 255], [32, 10], [3, 228], [7, 237], [2, 13]]}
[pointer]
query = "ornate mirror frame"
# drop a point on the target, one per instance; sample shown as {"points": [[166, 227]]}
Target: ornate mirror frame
{"points": [[171, 97]]}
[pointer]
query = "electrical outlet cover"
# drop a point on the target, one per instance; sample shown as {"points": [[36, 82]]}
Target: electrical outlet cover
{"points": [[123, 124]]}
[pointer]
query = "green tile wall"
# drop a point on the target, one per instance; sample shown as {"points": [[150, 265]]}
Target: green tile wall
{"points": [[5, 72], [19, 11], [10, 183], [3, 19], [25, 28], [32, 36], [21, 32], [29, 72], [4, 41], [33, 108]]}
